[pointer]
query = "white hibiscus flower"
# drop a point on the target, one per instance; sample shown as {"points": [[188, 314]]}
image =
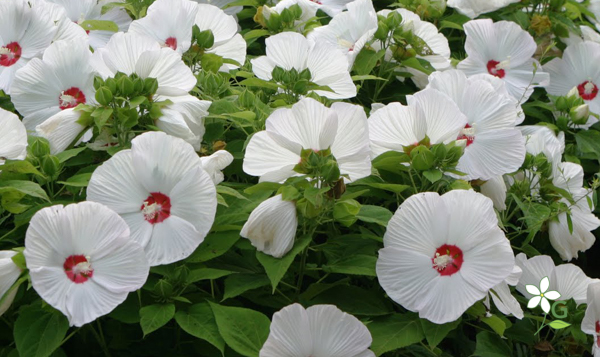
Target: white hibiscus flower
{"points": [[503, 49], [169, 22], [82, 261], [161, 190], [13, 137], [271, 227], [9, 273], [273, 153], [474, 8], [62, 79], [327, 66], [429, 113], [493, 145], [320, 330], [443, 253], [350, 30], [591, 321]]}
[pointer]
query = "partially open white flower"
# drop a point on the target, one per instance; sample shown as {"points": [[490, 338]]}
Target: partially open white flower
{"points": [[320, 330], [169, 22], [273, 153], [569, 177], [13, 137], [443, 253], [350, 30], [82, 260], [162, 192], [495, 188], [502, 297], [568, 279], [215, 164], [9, 273], [62, 79], [61, 130], [503, 49], [271, 227], [327, 66], [184, 118], [474, 8]]}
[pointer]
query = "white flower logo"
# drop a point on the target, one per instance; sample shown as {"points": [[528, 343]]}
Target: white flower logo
{"points": [[541, 295]]}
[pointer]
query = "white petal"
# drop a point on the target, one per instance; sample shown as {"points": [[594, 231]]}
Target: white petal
{"points": [[545, 305], [534, 302], [271, 227], [533, 290], [172, 240], [495, 189], [61, 130], [290, 334], [123, 51], [544, 284], [115, 185], [13, 136], [395, 126], [288, 50], [505, 302], [335, 333], [571, 282], [173, 76], [444, 119], [210, 17], [265, 156], [160, 161]]}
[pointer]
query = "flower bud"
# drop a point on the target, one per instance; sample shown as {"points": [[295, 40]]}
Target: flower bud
{"points": [[580, 114]]}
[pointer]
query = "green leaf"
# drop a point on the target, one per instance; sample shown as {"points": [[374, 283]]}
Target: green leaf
{"points": [[588, 142], [353, 300], [435, 333], [67, 154], [99, 25], [256, 82], [277, 267], [244, 330], [39, 332], [419, 64], [198, 320], [240, 283], [251, 35], [495, 323], [433, 175], [211, 62], [81, 180], [367, 77], [393, 332], [20, 167], [491, 345], [359, 264], [214, 245], [374, 214], [25, 187], [155, 316], [396, 188], [366, 60], [206, 274], [224, 190], [559, 324]]}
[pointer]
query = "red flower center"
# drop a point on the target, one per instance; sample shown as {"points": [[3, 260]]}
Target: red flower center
{"points": [[447, 259], [467, 134], [587, 90], [171, 42], [317, 2], [10, 54], [70, 98], [156, 208], [495, 70], [598, 332], [78, 268]]}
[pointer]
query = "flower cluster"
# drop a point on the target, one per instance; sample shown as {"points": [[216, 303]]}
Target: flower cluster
{"points": [[372, 176]]}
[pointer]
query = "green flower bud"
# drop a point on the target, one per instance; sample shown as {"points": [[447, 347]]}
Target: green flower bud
{"points": [[345, 212]]}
